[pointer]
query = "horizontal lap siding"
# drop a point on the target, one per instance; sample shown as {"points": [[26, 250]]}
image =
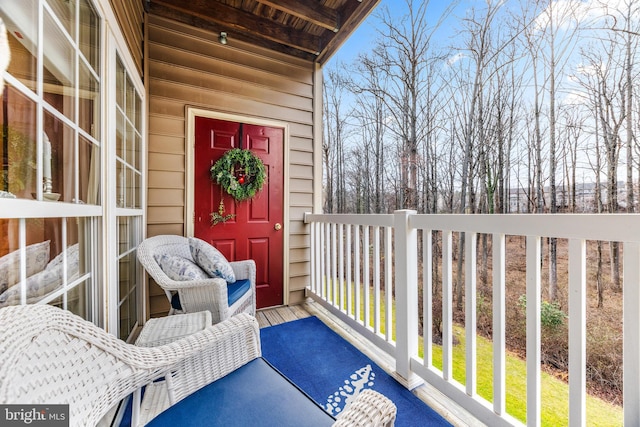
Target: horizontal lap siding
{"points": [[189, 68]]}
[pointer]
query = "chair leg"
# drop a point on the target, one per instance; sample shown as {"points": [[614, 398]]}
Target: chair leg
{"points": [[135, 408]]}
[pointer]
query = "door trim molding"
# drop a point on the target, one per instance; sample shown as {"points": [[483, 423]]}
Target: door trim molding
{"points": [[191, 114]]}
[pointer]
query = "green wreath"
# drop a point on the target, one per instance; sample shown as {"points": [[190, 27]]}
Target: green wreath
{"points": [[240, 173]]}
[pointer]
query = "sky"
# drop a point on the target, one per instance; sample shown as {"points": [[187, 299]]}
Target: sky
{"points": [[364, 37]]}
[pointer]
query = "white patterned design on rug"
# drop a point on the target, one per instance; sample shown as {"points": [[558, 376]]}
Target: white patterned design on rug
{"points": [[358, 381]]}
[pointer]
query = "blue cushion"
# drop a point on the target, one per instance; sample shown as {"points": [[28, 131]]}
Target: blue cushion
{"points": [[175, 302], [234, 293], [254, 395], [237, 289]]}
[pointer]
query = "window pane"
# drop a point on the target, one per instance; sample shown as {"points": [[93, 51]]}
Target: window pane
{"points": [[131, 97], [138, 190], [58, 161], [130, 188], [23, 35], [65, 10], [130, 144], [137, 154], [120, 132], [124, 237], [120, 183], [138, 116], [78, 300], [129, 272], [51, 266], [89, 103], [120, 78], [17, 145], [90, 34], [89, 170], [59, 66]]}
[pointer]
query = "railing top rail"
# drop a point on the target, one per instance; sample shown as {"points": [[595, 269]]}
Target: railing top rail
{"points": [[376, 220], [607, 227]]}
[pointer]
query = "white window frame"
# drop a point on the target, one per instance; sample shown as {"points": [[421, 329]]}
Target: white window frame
{"points": [[104, 264], [116, 47]]}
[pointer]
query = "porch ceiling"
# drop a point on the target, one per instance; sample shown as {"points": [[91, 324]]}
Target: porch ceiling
{"points": [[308, 29]]}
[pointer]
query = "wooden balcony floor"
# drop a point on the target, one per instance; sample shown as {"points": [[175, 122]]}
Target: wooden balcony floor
{"points": [[447, 408]]}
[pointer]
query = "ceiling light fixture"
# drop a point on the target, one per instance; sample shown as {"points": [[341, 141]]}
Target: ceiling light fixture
{"points": [[222, 38]]}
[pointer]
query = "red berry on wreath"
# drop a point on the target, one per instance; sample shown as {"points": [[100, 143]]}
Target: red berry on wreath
{"points": [[241, 179]]}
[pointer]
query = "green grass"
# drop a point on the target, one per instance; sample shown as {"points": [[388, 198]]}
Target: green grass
{"points": [[554, 394]]}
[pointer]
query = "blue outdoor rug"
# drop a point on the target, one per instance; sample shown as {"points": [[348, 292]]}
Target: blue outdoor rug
{"points": [[333, 372]]}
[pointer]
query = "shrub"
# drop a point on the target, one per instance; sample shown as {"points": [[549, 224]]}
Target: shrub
{"points": [[551, 315]]}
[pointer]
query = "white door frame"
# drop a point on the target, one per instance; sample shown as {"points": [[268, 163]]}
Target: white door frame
{"points": [[192, 113]]}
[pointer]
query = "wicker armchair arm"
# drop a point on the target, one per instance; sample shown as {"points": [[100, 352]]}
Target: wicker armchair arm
{"points": [[369, 409], [221, 349], [244, 269], [177, 285]]}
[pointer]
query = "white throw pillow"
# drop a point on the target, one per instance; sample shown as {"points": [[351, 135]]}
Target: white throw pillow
{"points": [[45, 281], [37, 257], [211, 260], [179, 268]]}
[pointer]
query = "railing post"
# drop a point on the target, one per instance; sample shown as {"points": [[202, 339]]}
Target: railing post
{"points": [[406, 268]]}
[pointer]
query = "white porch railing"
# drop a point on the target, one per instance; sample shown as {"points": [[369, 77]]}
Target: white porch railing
{"points": [[348, 251]]}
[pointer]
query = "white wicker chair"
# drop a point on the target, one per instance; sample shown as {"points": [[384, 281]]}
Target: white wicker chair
{"points": [[51, 356], [197, 295]]}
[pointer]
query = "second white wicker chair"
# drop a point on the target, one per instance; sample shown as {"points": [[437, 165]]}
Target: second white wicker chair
{"points": [[197, 295]]}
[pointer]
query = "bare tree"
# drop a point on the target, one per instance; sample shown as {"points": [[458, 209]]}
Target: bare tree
{"points": [[604, 81], [625, 29], [554, 52], [402, 56], [334, 141]]}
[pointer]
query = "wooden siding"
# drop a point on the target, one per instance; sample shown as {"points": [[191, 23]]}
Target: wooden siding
{"points": [[189, 68], [130, 15]]}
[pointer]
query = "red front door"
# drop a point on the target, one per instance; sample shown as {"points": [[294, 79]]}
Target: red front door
{"points": [[255, 230]]}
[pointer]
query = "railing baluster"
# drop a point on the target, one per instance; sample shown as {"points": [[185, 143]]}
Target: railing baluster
{"points": [[327, 263], [388, 284], [577, 333], [366, 252], [631, 333], [334, 264], [349, 284], [320, 259], [341, 266], [427, 296], [533, 331], [313, 252], [499, 324], [447, 309], [358, 285], [470, 312], [376, 279]]}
